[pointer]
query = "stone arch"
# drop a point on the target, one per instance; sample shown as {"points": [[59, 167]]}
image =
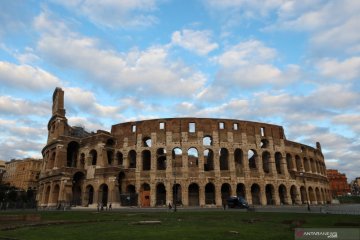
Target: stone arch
{"points": [[241, 190], [147, 142], [264, 143], [312, 164], [119, 158], [177, 157], [103, 194], [208, 160], [145, 195], [252, 158], [132, 159], [306, 165], [224, 159], [161, 159], [193, 194], [177, 194], [55, 194], [318, 196], [77, 182], [298, 163], [238, 158], [303, 194], [193, 157], [210, 193], [225, 191], [146, 160], [89, 194], [93, 155], [160, 194], [255, 194], [52, 160], [47, 195], [278, 160], [283, 194], [266, 161], [289, 162], [293, 194], [72, 152], [311, 195], [207, 140], [270, 194]]}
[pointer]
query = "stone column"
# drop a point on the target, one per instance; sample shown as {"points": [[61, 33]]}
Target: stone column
{"points": [[276, 196], [201, 194], [218, 200], [263, 195]]}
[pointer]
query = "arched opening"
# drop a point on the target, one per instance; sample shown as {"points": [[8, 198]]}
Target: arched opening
{"points": [[120, 179], [294, 194], [145, 195], [160, 195], [225, 192], [119, 158], [103, 194], [146, 160], [89, 195], [193, 194], [252, 156], [283, 194], [72, 154], [255, 194], [298, 163], [177, 157], [240, 190], [303, 195], [161, 159], [207, 140], [52, 160], [147, 142], [110, 156], [306, 165], [193, 158], [264, 143], [312, 195], [132, 159], [278, 159], [289, 162], [130, 197], [209, 193], [55, 194], [93, 155], [224, 159], [208, 160], [266, 161], [269, 192], [47, 195], [238, 157], [318, 196], [313, 167], [177, 194], [77, 183]]}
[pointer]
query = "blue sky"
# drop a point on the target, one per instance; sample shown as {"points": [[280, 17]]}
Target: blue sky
{"points": [[292, 63]]}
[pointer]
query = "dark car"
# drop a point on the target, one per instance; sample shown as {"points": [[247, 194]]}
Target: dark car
{"points": [[237, 202]]}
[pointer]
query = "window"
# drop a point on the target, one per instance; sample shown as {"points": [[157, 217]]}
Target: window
{"points": [[133, 128], [221, 125], [236, 126], [262, 130], [191, 127], [162, 126]]}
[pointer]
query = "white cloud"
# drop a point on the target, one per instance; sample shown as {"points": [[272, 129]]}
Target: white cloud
{"points": [[348, 69], [17, 107], [196, 41], [26, 77], [148, 73], [114, 13]]}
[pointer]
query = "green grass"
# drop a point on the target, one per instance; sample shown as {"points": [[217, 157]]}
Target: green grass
{"points": [[181, 225]]}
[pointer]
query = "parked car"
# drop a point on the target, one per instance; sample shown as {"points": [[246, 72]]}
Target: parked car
{"points": [[237, 202]]}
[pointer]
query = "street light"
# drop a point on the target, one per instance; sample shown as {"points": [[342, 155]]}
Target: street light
{"points": [[307, 198]]}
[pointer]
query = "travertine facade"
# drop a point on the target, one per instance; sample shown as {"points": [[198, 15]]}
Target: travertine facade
{"points": [[193, 161], [338, 183], [22, 174], [2, 169]]}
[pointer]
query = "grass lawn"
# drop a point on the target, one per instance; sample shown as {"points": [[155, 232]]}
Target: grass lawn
{"points": [[180, 225]]}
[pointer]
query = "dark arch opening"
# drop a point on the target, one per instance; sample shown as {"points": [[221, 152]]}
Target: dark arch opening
{"points": [[193, 194], [72, 154], [210, 194]]}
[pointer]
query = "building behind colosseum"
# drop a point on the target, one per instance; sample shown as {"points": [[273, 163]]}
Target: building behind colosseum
{"points": [[190, 161]]}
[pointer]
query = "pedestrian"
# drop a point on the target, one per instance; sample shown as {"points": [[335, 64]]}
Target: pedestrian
{"points": [[110, 207], [170, 206]]}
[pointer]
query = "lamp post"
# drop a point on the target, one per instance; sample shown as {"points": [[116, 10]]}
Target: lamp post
{"points": [[306, 192]]}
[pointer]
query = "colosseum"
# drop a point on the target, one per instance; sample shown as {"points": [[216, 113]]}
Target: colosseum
{"points": [[187, 161]]}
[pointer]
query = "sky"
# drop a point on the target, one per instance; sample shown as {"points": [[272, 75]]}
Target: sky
{"points": [[285, 62]]}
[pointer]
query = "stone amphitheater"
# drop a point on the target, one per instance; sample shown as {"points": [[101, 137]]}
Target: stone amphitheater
{"points": [[187, 161]]}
